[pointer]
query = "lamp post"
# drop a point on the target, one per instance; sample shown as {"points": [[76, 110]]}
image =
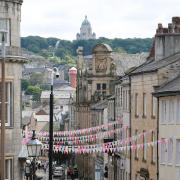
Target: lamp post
{"points": [[3, 108], [55, 73], [34, 151]]}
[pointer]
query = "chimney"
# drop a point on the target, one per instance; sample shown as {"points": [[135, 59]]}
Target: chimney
{"points": [[159, 29], [170, 28], [167, 39], [73, 77]]}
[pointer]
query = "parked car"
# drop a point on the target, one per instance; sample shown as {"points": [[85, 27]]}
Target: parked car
{"points": [[58, 171]]}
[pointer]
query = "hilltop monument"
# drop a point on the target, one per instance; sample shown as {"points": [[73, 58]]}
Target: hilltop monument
{"points": [[85, 31]]}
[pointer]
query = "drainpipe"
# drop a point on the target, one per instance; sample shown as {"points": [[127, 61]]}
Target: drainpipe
{"points": [[157, 138], [130, 122]]}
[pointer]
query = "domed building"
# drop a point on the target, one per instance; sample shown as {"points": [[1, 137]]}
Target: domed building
{"points": [[85, 31]]}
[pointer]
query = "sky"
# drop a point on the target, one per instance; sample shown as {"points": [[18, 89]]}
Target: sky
{"points": [[108, 18]]}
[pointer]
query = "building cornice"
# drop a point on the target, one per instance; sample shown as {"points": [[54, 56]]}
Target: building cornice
{"points": [[15, 59], [14, 1]]}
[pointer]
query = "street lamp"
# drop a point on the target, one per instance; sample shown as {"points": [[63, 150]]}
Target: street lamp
{"points": [[54, 72], [34, 151]]}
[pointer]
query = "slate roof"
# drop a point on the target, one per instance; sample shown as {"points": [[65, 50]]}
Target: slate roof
{"points": [[153, 65], [33, 70], [169, 88], [100, 105]]}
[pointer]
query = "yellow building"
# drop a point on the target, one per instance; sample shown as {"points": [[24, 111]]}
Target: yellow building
{"points": [[162, 65]]}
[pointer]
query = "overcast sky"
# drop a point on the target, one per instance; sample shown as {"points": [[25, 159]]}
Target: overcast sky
{"points": [[108, 18]]}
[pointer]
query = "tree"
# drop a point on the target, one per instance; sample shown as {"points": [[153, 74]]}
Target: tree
{"points": [[36, 79], [24, 84], [35, 91]]}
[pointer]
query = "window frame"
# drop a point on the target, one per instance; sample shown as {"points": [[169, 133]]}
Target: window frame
{"points": [[11, 166], [144, 146], [177, 163], [154, 107], [136, 105], [7, 31], [170, 151], [144, 105], [163, 151], [9, 104]]}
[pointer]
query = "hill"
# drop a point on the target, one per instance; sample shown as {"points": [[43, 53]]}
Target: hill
{"points": [[65, 50]]}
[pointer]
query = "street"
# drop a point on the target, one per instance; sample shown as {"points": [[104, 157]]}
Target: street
{"points": [[41, 173]]}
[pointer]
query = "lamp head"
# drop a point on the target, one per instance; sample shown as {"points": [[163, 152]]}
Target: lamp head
{"points": [[56, 72]]}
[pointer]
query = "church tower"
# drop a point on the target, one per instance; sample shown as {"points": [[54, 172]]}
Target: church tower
{"points": [[85, 31]]}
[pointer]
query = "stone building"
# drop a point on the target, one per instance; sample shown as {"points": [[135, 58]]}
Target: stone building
{"points": [[93, 84], [10, 17], [85, 31], [169, 120], [162, 65]]}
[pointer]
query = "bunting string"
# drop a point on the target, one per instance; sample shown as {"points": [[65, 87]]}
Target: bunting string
{"points": [[102, 148], [121, 141], [85, 131]]}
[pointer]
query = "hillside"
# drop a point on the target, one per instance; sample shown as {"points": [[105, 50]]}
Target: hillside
{"points": [[65, 50]]}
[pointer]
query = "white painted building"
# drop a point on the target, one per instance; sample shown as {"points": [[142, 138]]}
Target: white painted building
{"points": [[169, 128]]}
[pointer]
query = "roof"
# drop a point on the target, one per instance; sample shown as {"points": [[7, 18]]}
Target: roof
{"points": [[85, 22], [153, 65], [56, 126], [100, 105], [41, 112], [42, 118], [65, 94], [102, 47], [125, 62], [170, 88]]}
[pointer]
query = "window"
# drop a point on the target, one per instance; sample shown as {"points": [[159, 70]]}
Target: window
{"points": [[144, 105], [171, 111], [4, 26], [153, 148], [104, 86], [136, 142], [98, 86], [101, 89], [163, 111], [8, 102], [170, 150], [178, 151], [154, 106], [9, 169], [178, 112], [144, 146], [136, 104], [163, 152], [120, 96]]}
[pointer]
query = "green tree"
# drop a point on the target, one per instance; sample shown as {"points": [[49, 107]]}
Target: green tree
{"points": [[35, 91], [36, 79], [24, 84]]}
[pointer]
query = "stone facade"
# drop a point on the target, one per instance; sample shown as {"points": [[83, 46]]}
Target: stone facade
{"points": [[10, 13], [159, 69], [93, 85], [85, 31]]}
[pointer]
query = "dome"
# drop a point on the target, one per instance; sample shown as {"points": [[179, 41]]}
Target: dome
{"points": [[86, 22]]}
